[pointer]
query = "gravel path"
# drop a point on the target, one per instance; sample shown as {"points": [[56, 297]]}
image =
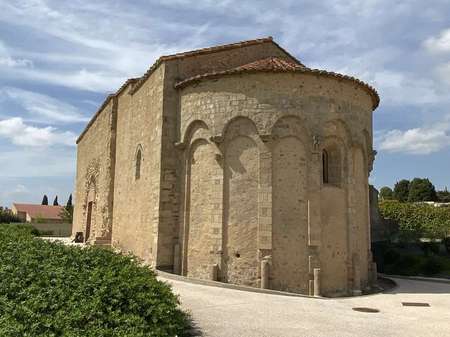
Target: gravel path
{"points": [[226, 312]]}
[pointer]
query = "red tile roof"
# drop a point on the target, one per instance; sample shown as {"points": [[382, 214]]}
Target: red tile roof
{"points": [[278, 65], [40, 211]]}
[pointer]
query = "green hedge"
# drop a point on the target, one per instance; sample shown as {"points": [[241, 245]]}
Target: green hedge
{"points": [[48, 289], [417, 220]]}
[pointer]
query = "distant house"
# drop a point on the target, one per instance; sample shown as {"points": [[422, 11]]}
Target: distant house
{"points": [[38, 213], [46, 219]]}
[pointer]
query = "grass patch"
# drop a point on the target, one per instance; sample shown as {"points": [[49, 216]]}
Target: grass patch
{"points": [[48, 289]]}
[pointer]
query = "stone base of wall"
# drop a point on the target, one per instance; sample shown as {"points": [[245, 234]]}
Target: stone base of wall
{"points": [[54, 229]]}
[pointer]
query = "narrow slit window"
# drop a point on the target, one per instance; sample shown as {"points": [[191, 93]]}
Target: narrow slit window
{"points": [[325, 167], [137, 174]]}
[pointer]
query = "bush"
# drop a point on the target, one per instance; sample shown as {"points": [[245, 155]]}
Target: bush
{"points": [[391, 256], [447, 244], [48, 289], [432, 266], [6, 216], [430, 247], [417, 220], [409, 265]]}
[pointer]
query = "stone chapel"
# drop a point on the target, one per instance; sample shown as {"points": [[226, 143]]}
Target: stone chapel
{"points": [[234, 163]]}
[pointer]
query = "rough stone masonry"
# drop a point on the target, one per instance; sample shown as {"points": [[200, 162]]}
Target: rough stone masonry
{"points": [[235, 163]]}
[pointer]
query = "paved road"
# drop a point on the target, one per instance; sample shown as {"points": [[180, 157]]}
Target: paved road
{"points": [[221, 312]]}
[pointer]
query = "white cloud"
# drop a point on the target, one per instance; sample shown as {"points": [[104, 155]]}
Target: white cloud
{"points": [[424, 140], [443, 72], [20, 189], [439, 44], [48, 108], [8, 61], [37, 162], [92, 54], [16, 131]]}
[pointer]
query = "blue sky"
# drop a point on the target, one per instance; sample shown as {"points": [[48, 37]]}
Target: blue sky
{"points": [[59, 59]]}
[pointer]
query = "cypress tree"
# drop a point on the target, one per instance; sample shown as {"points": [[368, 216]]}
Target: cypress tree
{"points": [[45, 200], [55, 202], [69, 201]]}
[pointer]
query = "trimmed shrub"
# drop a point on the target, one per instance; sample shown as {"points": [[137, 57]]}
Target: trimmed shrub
{"points": [[430, 248], [432, 266], [391, 256], [447, 244], [48, 289], [417, 220]]}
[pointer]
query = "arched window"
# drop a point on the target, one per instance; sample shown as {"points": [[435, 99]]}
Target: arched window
{"points": [[331, 165], [325, 166], [137, 173]]}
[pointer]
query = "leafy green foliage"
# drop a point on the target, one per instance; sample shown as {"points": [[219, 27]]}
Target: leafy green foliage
{"points": [[6, 216], [48, 289], [443, 196], [67, 211], [421, 190], [401, 190], [386, 193], [414, 264], [417, 220]]}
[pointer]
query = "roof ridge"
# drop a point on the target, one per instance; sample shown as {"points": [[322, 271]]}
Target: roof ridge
{"points": [[212, 49], [104, 104], [203, 51]]}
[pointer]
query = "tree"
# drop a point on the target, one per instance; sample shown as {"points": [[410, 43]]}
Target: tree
{"points": [[67, 211], [55, 202], [69, 201], [443, 196], [421, 190], [45, 200], [401, 190], [386, 193]]}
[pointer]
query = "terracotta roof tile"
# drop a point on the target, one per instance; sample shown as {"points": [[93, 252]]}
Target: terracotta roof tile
{"points": [[40, 211], [270, 63], [278, 65]]}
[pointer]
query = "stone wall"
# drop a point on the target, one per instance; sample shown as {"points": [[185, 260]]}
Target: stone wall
{"points": [[136, 201], [270, 130], [172, 175], [231, 173], [95, 170]]}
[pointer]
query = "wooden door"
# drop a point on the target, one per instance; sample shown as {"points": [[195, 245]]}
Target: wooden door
{"points": [[88, 221]]}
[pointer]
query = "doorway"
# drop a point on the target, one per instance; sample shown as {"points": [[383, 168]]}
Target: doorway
{"points": [[88, 221]]}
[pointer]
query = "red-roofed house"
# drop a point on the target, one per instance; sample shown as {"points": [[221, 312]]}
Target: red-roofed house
{"points": [[46, 219], [37, 213]]}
